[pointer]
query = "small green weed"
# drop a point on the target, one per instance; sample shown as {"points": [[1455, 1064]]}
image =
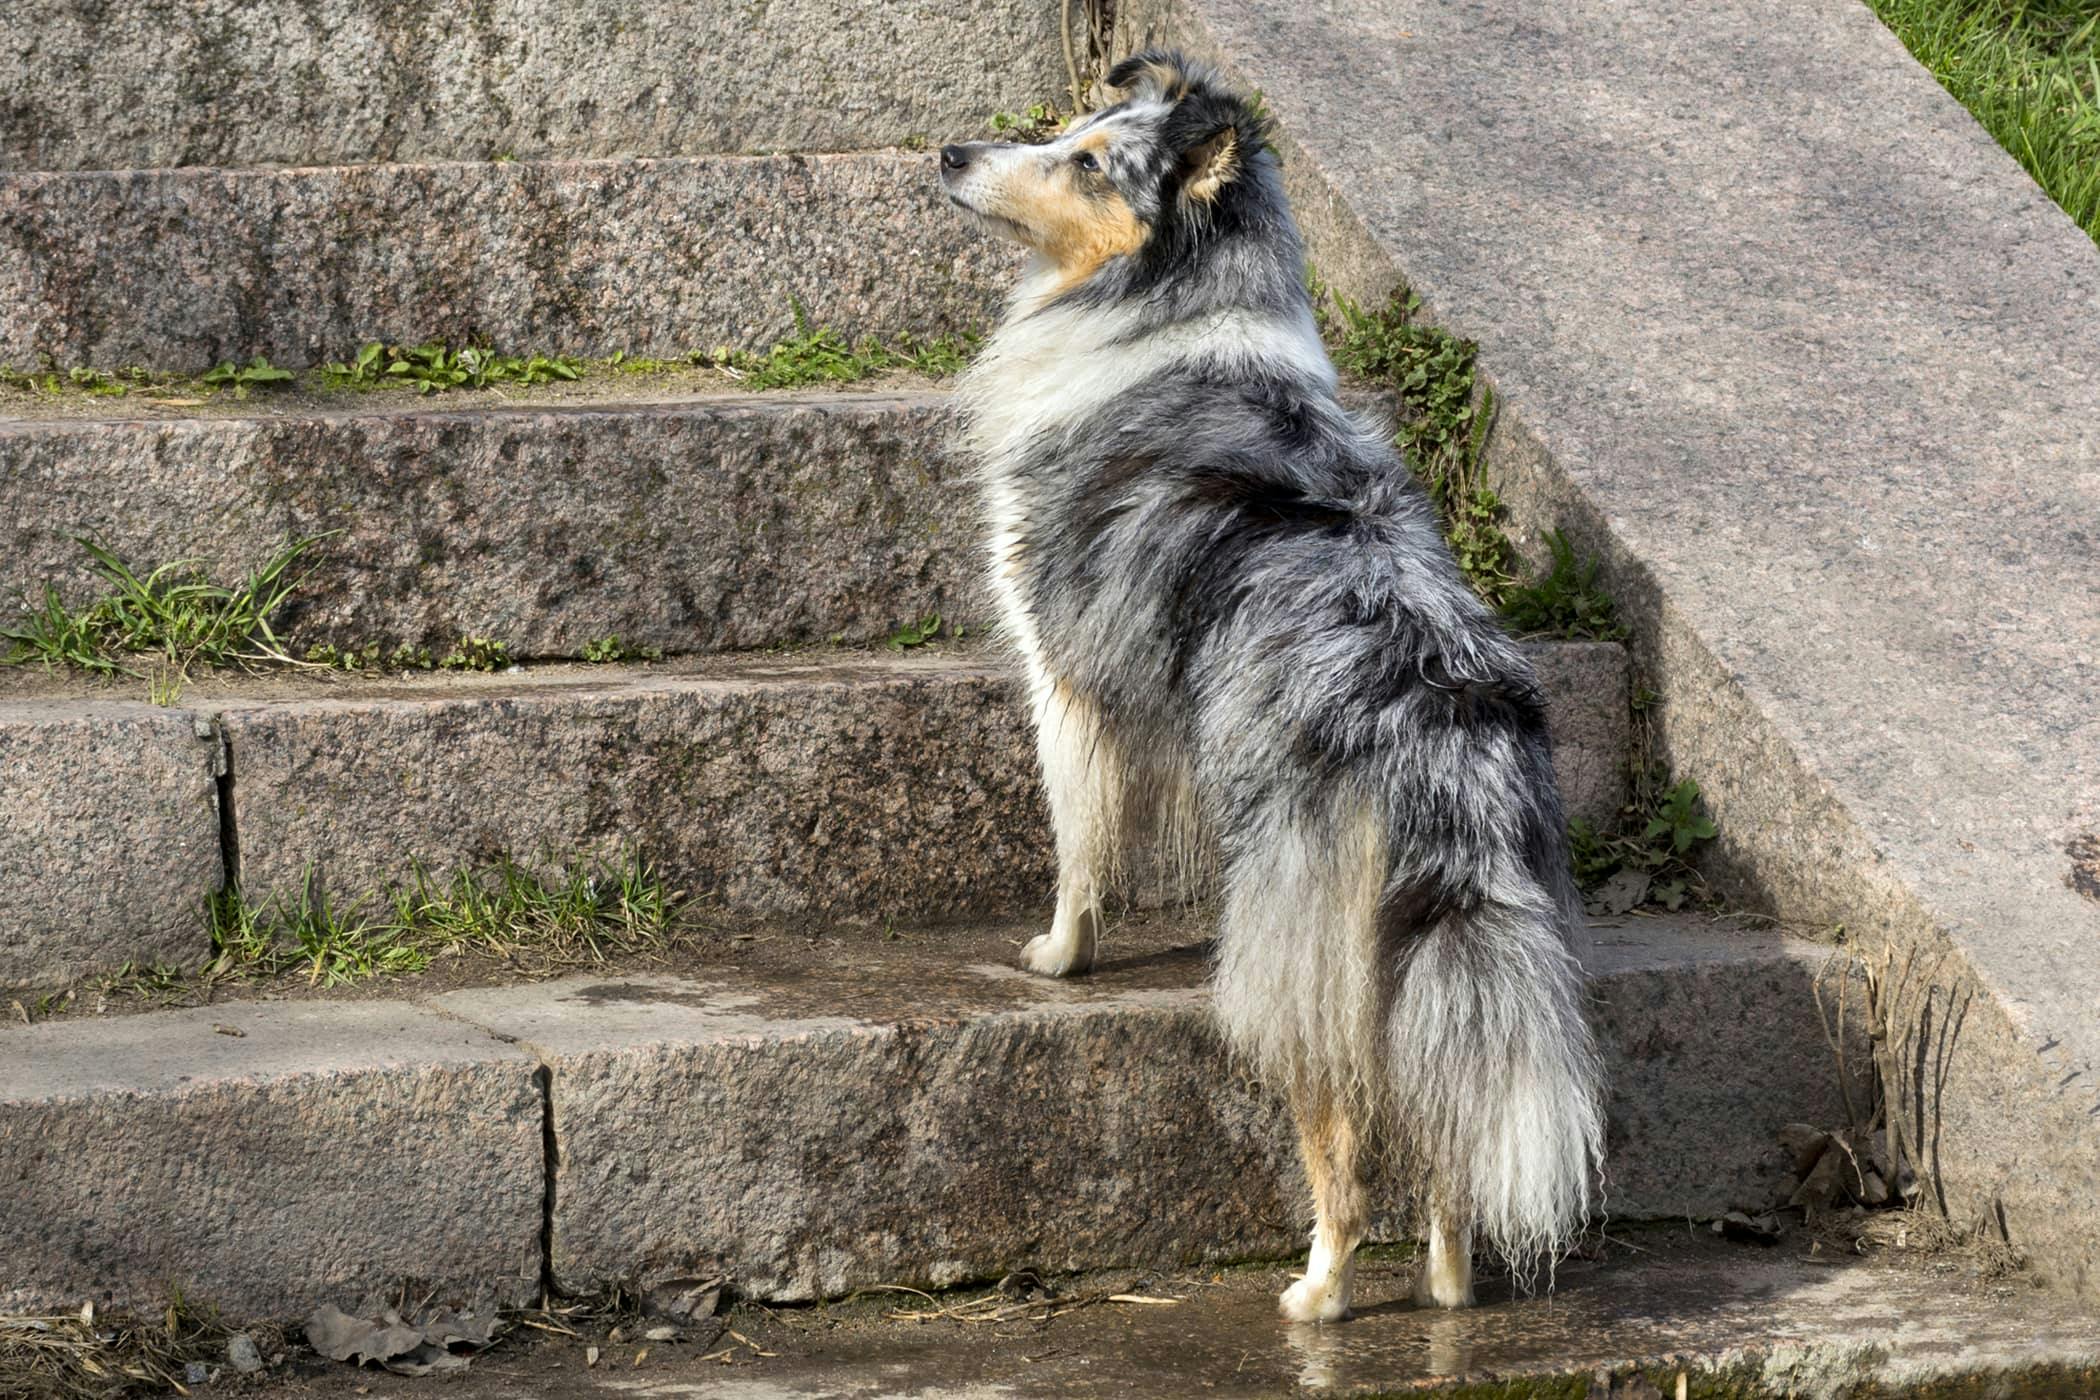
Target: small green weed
{"points": [[95, 382], [434, 368], [611, 648], [258, 373], [1039, 123], [1567, 602], [1442, 431], [1618, 872], [476, 654], [1679, 823], [159, 983], [820, 355], [90, 382], [172, 611], [916, 634], [368, 657], [350, 658]]}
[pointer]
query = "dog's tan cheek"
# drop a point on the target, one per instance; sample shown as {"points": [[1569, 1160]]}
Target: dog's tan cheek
{"points": [[1089, 233]]}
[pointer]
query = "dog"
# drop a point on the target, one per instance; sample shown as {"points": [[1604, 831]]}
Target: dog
{"points": [[1233, 601]]}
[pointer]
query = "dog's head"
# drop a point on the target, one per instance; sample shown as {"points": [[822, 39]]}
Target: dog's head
{"points": [[1164, 165]]}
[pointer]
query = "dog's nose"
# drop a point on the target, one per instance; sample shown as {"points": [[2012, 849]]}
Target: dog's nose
{"points": [[954, 157]]}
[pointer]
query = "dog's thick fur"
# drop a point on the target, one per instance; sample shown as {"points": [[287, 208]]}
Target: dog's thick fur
{"points": [[1228, 589]]}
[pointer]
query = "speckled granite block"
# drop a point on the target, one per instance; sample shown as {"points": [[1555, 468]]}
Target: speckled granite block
{"points": [[868, 787], [179, 269], [1783, 336], [1589, 709], [109, 838], [862, 786], [691, 526], [924, 1113], [145, 83], [305, 1153]]}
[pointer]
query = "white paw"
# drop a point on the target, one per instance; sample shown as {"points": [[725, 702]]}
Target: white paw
{"points": [[1311, 1300], [1442, 1293], [1055, 957]]}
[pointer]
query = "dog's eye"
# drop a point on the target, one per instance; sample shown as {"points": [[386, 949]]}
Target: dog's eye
{"points": [[1085, 161]]}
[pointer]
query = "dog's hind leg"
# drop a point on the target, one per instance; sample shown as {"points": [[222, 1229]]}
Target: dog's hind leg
{"points": [[1083, 777], [1333, 1151], [1445, 1279]]}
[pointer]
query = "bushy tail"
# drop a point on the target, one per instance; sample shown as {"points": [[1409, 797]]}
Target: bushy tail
{"points": [[1458, 1032], [1496, 1084]]}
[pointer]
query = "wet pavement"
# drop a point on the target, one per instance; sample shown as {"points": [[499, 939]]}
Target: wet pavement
{"points": [[1657, 1304]]}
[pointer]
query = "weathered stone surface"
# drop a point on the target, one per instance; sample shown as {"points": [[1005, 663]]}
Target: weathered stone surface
{"points": [[1590, 713], [874, 787], [109, 838], [1812, 368], [179, 269], [1659, 1306], [814, 1120], [697, 525], [308, 1153], [870, 786], [1708, 1028], [147, 83]]}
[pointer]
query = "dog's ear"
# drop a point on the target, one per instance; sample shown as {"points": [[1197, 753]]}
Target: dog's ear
{"points": [[1211, 164], [1158, 75]]}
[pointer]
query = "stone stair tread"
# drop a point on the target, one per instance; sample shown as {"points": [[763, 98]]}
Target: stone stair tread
{"points": [[215, 691], [842, 1112], [1658, 1303], [29, 413]]}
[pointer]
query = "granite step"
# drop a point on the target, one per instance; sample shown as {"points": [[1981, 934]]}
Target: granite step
{"points": [[687, 521], [1633, 1319], [178, 269], [805, 1115], [329, 82], [827, 784]]}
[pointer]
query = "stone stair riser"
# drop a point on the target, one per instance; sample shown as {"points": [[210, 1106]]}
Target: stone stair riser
{"points": [[159, 83], [179, 269], [695, 526]]}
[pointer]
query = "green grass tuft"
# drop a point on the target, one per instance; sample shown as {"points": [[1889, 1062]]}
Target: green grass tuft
{"points": [[2029, 70], [173, 612], [576, 915]]}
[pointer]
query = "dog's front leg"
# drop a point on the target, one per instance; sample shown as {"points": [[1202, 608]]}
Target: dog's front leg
{"points": [[1082, 774]]}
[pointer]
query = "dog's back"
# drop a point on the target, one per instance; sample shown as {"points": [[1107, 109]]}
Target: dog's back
{"points": [[1221, 581]]}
